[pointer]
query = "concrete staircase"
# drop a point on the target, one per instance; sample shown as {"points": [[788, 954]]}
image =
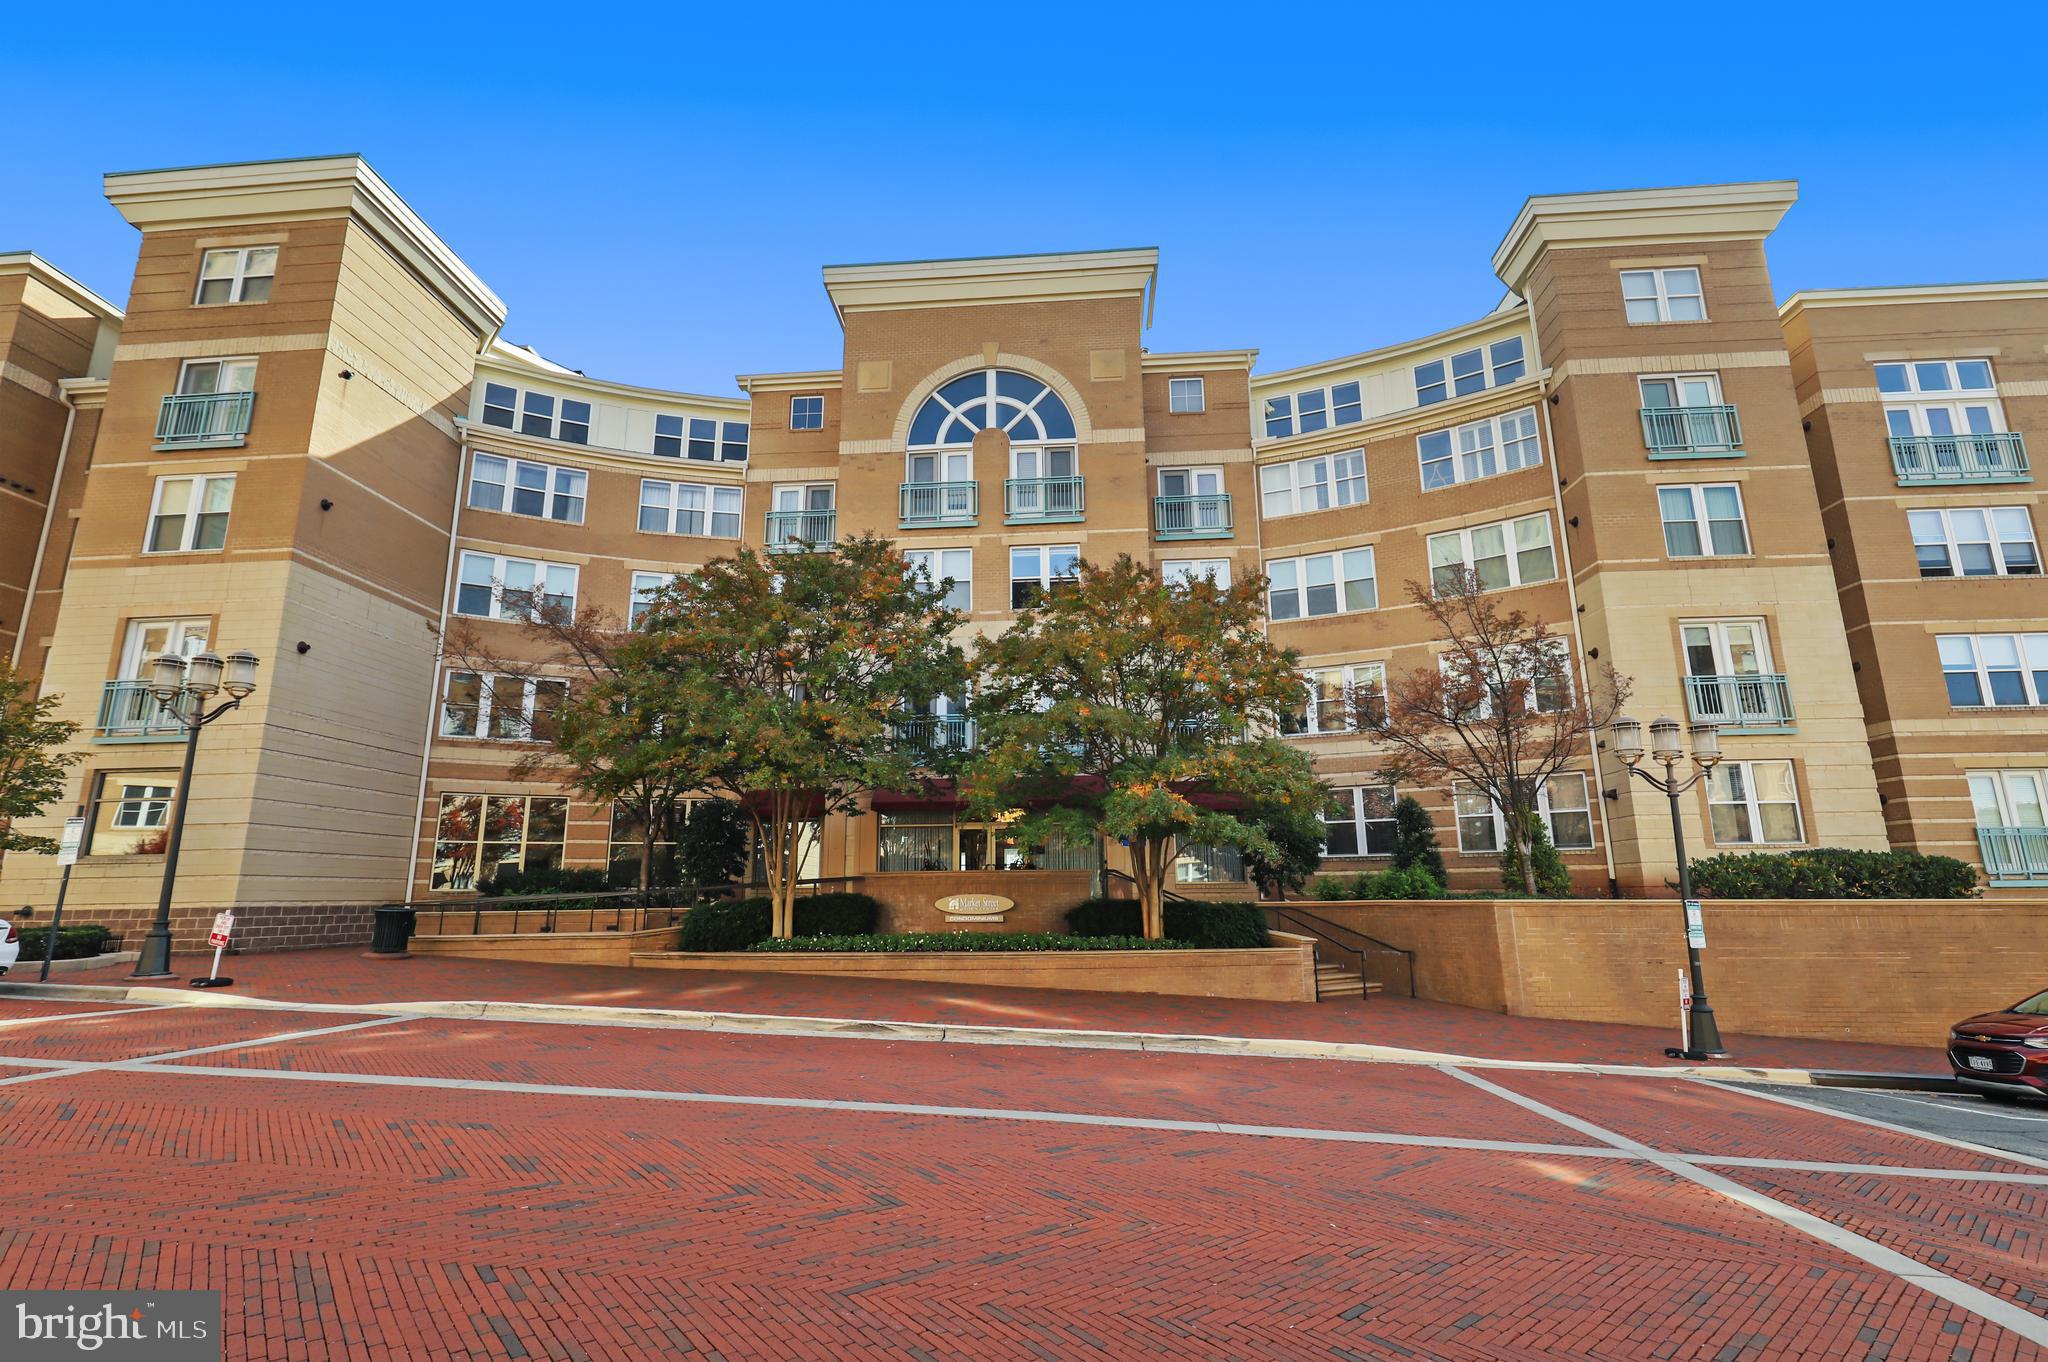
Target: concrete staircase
{"points": [[1335, 981]]}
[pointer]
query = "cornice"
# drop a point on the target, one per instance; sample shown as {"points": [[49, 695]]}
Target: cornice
{"points": [[807, 380], [1199, 359], [1063, 276], [49, 276], [1510, 319], [1999, 290], [1747, 211]]}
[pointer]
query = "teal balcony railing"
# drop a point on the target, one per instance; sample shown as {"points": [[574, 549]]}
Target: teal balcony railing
{"points": [[934, 733], [1761, 701], [1196, 517], [1996, 457], [794, 531], [939, 503], [204, 418], [129, 713], [1672, 432], [1038, 500], [2014, 855]]}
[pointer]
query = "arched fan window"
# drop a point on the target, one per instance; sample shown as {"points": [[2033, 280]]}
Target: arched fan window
{"points": [[1000, 399]]}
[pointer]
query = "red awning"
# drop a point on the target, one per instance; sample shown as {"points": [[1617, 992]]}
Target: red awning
{"points": [[935, 792]]}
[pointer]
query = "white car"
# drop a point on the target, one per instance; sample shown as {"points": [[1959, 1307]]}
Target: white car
{"points": [[10, 948]]}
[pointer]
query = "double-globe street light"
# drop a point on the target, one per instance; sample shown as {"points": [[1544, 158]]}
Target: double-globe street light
{"points": [[182, 688], [1626, 736]]}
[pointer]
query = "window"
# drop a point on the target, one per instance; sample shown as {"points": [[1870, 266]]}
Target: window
{"points": [[689, 508], [198, 376], [928, 839], [1938, 398], [501, 405], [1503, 554], [624, 844], [1359, 821], [190, 514], [991, 399], [1194, 863], [129, 813], [237, 276], [1186, 395], [1670, 392], [1983, 670], [1034, 571], [1703, 521], [1470, 371], [480, 705], [530, 489], [1320, 584], [914, 841], [1331, 697], [1474, 678], [1754, 803], [1977, 541], [478, 837], [1563, 802], [1316, 409], [1303, 485], [1672, 295], [805, 413], [1179, 571], [2005, 800], [645, 584], [494, 587], [147, 640], [1479, 449], [668, 437], [732, 443], [554, 418], [951, 568], [703, 438]]}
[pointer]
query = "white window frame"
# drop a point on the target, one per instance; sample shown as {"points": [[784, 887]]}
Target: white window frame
{"points": [[1723, 649], [1354, 795], [1941, 519], [188, 534], [1711, 381], [2001, 782], [1177, 571], [1352, 677], [1510, 444], [227, 368], [1532, 698], [1331, 404], [1046, 577], [1511, 546], [1917, 402], [563, 490], [1661, 295], [718, 501], [547, 579], [806, 417], [1290, 485], [240, 278], [642, 587], [1753, 806], [486, 705], [184, 636], [935, 564], [1703, 526], [1186, 396], [1494, 363], [1463, 790], [2029, 661], [1296, 571]]}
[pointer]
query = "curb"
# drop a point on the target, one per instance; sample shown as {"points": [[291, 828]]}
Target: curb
{"points": [[847, 1028]]}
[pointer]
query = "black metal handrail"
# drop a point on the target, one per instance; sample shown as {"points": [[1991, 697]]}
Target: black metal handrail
{"points": [[627, 910], [1321, 928]]}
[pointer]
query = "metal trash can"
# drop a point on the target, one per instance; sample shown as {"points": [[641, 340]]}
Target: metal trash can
{"points": [[392, 929]]}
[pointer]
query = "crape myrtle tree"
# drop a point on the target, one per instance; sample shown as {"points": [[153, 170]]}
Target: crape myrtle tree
{"points": [[32, 758], [786, 681], [588, 727], [1123, 706], [1501, 713]]}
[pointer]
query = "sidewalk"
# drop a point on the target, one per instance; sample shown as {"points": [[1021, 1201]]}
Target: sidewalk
{"points": [[345, 975]]}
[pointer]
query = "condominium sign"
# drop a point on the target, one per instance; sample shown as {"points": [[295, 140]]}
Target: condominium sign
{"points": [[974, 907]]}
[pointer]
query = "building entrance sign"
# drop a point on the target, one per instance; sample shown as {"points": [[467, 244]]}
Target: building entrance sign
{"points": [[974, 907]]}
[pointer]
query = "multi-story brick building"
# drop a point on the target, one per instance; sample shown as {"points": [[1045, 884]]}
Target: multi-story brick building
{"points": [[306, 439]]}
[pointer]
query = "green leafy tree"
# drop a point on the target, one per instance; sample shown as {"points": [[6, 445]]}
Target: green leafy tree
{"points": [[1551, 878], [711, 842], [1119, 705], [1297, 837], [33, 761], [785, 681], [1415, 845]]}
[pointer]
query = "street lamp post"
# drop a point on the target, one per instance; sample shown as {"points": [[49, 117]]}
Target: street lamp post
{"points": [[1626, 735], [182, 687]]}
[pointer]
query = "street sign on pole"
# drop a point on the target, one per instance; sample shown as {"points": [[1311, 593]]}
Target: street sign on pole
{"points": [[1695, 925], [67, 846], [1684, 1010], [223, 928]]}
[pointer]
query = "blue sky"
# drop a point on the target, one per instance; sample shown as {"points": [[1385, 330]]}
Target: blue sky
{"points": [[653, 192]]}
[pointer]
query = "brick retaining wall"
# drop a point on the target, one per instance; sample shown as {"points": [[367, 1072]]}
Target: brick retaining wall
{"points": [[258, 927]]}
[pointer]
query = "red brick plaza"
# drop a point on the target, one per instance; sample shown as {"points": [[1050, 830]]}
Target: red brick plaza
{"points": [[363, 1184]]}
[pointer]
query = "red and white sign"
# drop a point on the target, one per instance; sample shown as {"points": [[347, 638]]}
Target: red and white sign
{"points": [[223, 928]]}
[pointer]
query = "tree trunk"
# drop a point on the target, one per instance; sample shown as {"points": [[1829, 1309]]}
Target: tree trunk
{"points": [[1146, 870], [1528, 849], [646, 845]]}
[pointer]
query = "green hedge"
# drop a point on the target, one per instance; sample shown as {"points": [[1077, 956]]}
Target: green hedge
{"points": [[82, 942], [1833, 873], [1410, 882], [1223, 925], [936, 942], [546, 879], [738, 924]]}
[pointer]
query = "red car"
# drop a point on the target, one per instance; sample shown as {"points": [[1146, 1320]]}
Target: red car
{"points": [[2003, 1054]]}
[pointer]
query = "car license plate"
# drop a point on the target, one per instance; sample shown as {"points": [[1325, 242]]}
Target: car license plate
{"points": [[1980, 1062]]}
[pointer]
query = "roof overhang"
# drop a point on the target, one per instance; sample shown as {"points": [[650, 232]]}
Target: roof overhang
{"points": [[1200, 359], [1640, 217], [311, 188], [802, 381], [2003, 290], [41, 271], [1060, 277]]}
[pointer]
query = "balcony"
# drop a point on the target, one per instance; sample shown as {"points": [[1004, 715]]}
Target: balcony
{"points": [[129, 713], [931, 734], [1196, 517], [1760, 703], [1042, 501], [1692, 432], [203, 419], [938, 503], [2014, 855], [1922, 459], [796, 531]]}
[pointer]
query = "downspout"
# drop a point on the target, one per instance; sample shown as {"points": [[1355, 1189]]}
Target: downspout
{"points": [[419, 799], [35, 569], [1571, 587]]}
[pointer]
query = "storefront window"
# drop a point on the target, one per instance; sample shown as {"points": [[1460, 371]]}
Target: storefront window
{"points": [[480, 837]]}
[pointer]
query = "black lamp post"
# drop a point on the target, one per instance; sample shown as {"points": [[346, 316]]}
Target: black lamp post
{"points": [[182, 688], [1626, 737]]}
